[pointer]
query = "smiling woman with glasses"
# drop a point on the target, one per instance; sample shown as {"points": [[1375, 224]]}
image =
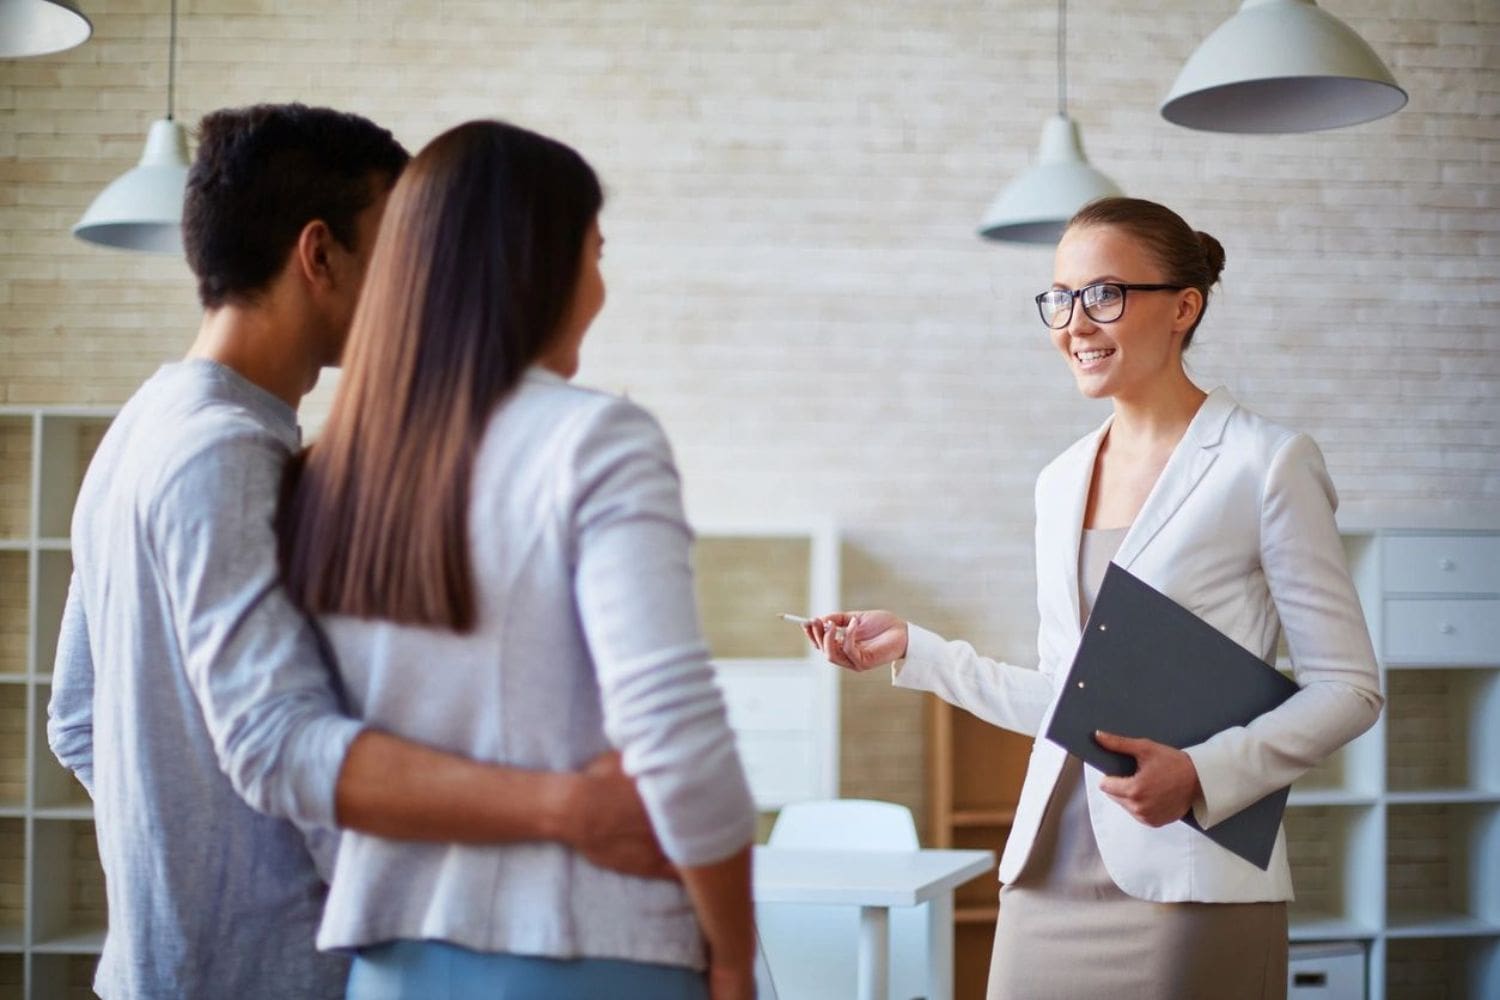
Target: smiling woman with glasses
{"points": [[1106, 892], [1103, 301]]}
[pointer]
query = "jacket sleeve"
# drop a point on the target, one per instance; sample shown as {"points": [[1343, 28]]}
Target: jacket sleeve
{"points": [[268, 698], [633, 584], [70, 713], [1008, 696], [1332, 657]]}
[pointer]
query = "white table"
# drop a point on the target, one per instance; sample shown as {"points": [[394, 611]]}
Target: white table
{"points": [[875, 881]]}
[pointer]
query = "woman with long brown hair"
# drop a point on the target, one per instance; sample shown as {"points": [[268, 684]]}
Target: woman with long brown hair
{"points": [[500, 562]]}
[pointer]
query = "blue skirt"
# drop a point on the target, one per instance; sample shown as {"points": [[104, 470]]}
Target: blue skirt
{"points": [[437, 970]]}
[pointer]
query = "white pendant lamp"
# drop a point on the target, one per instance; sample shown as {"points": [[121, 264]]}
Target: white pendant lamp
{"points": [[1282, 66], [1035, 206], [41, 27], [142, 208]]}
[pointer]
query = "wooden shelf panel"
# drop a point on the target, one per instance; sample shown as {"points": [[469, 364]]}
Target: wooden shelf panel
{"points": [[997, 784], [983, 817], [976, 914]]}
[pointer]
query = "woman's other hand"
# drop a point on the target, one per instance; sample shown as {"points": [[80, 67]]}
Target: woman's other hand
{"points": [[858, 640], [730, 983], [1164, 785]]}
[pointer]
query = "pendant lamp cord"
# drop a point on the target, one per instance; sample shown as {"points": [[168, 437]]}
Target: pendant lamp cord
{"points": [[1062, 58], [172, 62]]}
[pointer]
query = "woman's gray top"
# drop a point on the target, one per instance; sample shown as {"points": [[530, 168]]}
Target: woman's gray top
{"points": [[587, 638]]}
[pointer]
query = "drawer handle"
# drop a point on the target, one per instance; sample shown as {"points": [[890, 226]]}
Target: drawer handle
{"points": [[1310, 979], [1445, 564], [1446, 628]]}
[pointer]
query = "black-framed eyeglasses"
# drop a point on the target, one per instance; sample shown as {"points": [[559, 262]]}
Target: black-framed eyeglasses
{"points": [[1103, 301]]}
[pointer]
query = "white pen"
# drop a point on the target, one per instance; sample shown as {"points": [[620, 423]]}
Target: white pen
{"points": [[838, 632]]}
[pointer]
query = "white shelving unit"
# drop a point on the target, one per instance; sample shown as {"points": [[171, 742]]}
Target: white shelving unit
{"points": [[782, 699], [52, 908], [1395, 842]]}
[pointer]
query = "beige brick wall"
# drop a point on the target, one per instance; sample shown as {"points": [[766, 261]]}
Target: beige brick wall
{"points": [[795, 287]]}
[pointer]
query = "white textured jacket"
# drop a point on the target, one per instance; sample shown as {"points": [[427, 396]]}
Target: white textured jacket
{"points": [[1239, 529], [587, 638]]}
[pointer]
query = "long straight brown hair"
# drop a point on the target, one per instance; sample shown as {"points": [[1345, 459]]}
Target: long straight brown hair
{"points": [[472, 276]]}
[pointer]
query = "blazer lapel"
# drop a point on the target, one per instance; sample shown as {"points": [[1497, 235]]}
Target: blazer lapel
{"points": [[1190, 460]]}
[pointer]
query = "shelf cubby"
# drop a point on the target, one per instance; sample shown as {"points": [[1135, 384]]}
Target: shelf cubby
{"points": [[973, 942], [743, 582], [54, 788], [70, 916], [15, 611], [1328, 847], [1442, 968], [1443, 869], [54, 571], [15, 476], [63, 976], [1443, 733], [12, 884], [1348, 777], [68, 444], [13, 746], [982, 792], [980, 894], [12, 976]]}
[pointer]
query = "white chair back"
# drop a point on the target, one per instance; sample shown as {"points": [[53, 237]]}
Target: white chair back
{"points": [[848, 824], [813, 951]]}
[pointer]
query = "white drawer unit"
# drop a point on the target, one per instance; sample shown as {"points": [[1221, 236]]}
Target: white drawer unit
{"points": [[1441, 564], [771, 695], [1454, 631], [775, 708], [1411, 865], [781, 767], [1333, 971]]}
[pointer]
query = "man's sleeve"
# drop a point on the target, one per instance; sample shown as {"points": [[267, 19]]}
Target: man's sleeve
{"points": [[253, 661], [70, 714]]}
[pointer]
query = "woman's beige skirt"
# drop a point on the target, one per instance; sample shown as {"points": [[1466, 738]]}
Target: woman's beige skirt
{"points": [[1067, 932]]}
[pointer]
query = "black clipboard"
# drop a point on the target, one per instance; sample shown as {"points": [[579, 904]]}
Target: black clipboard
{"points": [[1148, 667]]}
